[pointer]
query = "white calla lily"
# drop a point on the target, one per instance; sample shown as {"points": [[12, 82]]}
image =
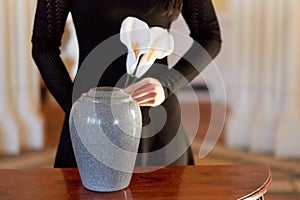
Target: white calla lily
{"points": [[161, 45], [154, 43], [135, 34]]}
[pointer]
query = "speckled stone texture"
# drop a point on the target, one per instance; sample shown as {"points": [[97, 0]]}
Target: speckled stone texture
{"points": [[105, 127]]}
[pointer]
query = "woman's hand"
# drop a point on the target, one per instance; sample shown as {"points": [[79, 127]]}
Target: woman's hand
{"points": [[146, 92]]}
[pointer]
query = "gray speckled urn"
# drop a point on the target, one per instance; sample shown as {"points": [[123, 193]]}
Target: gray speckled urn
{"points": [[105, 125]]}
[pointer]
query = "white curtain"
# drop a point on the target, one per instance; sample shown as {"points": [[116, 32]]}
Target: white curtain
{"points": [[21, 123], [263, 93]]}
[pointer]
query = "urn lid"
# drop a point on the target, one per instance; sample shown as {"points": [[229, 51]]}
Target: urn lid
{"points": [[106, 93]]}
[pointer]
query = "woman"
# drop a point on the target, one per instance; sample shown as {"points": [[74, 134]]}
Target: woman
{"points": [[97, 20]]}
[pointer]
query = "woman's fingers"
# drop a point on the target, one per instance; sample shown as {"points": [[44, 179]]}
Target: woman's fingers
{"points": [[145, 98], [147, 92], [144, 90]]}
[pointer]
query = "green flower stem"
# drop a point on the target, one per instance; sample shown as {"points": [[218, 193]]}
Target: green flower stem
{"points": [[130, 79], [134, 79], [127, 80]]}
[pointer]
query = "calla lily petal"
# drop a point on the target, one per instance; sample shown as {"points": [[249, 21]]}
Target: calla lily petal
{"points": [[131, 62], [135, 34], [162, 44]]}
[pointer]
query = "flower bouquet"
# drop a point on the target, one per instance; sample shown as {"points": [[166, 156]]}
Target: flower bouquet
{"points": [[145, 44]]}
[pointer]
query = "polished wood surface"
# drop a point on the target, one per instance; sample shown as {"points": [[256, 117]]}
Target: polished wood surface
{"points": [[177, 182]]}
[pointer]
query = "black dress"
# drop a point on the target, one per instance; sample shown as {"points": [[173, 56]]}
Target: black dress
{"points": [[96, 21]]}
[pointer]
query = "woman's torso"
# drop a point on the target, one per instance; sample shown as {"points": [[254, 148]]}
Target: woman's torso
{"points": [[96, 20]]}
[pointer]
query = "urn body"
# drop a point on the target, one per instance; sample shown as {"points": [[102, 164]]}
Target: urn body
{"points": [[105, 126]]}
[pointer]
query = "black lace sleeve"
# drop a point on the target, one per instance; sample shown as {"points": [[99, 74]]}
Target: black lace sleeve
{"points": [[202, 21], [49, 22], [204, 28]]}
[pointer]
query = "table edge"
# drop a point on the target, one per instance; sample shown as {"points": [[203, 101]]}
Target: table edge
{"points": [[261, 190]]}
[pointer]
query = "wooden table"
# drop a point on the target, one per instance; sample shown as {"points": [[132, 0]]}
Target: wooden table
{"points": [[177, 182]]}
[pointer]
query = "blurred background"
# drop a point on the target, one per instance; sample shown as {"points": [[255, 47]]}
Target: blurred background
{"points": [[259, 65]]}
